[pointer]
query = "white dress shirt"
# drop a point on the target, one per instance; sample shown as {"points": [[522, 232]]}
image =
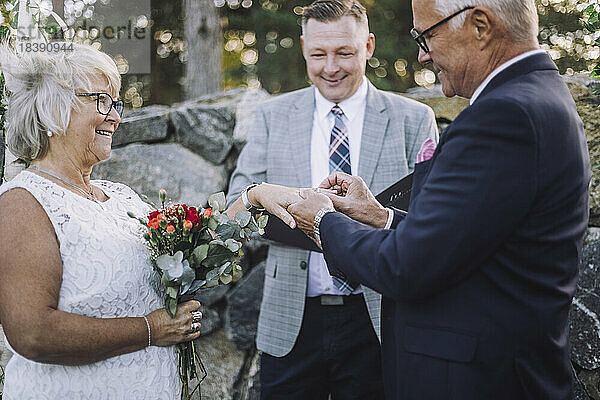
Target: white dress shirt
{"points": [[501, 68], [319, 280]]}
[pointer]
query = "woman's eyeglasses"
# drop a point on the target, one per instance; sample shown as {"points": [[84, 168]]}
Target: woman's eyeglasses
{"points": [[104, 102]]}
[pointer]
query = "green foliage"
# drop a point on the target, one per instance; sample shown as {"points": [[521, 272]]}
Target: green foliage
{"points": [[591, 22]]}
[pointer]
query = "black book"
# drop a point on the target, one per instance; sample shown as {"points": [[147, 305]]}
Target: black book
{"points": [[396, 196]]}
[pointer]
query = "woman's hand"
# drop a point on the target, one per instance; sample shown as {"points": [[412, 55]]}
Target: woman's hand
{"points": [[275, 199], [167, 331]]}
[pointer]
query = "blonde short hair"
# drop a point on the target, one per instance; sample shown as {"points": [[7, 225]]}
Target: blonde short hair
{"points": [[41, 89]]}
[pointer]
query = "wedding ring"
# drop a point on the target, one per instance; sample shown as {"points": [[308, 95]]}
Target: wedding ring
{"points": [[196, 315], [195, 327]]}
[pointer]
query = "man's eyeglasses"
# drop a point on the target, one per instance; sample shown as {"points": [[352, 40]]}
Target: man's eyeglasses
{"points": [[104, 102], [420, 37]]}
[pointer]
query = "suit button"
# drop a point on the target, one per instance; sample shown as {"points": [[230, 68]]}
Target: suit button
{"points": [[303, 265]]}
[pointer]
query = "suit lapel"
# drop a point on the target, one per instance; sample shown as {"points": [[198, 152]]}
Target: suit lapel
{"points": [[300, 130], [374, 128]]}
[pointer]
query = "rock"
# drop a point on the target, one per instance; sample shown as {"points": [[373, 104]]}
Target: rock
{"points": [[245, 115], [149, 124], [588, 385], [579, 392], [205, 125], [223, 362], [249, 382], [146, 168], [585, 311], [211, 321], [243, 305], [582, 87], [207, 130], [255, 251], [210, 296], [446, 109]]}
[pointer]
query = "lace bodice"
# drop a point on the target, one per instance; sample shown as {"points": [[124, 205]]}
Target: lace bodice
{"points": [[106, 273]]}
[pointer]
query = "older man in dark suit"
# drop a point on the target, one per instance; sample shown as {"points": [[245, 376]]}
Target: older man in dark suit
{"points": [[477, 279]]}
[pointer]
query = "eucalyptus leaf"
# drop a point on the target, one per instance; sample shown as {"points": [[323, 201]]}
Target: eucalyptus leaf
{"points": [[252, 225], [197, 284], [212, 283], [223, 267], [215, 272], [200, 253], [217, 255], [243, 217], [225, 279], [171, 266], [233, 245], [217, 201], [171, 306], [187, 277], [166, 282], [225, 231], [173, 291], [213, 224], [262, 221]]}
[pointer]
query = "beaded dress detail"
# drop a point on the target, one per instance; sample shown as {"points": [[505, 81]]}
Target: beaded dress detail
{"points": [[107, 273]]}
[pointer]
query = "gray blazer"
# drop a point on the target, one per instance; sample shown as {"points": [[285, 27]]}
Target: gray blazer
{"points": [[278, 151]]}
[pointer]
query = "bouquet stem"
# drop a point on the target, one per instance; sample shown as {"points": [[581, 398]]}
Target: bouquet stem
{"points": [[190, 367]]}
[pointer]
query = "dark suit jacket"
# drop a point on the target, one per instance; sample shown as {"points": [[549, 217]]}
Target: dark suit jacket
{"points": [[478, 278]]}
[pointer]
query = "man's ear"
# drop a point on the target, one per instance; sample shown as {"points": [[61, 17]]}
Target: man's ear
{"points": [[483, 25], [370, 46], [302, 46]]}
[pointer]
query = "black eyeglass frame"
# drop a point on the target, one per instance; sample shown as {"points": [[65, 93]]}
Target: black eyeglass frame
{"points": [[118, 105], [420, 37]]}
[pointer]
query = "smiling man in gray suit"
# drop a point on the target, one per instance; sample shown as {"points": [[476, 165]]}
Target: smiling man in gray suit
{"points": [[319, 337]]}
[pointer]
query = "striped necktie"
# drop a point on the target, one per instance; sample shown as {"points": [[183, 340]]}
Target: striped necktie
{"points": [[339, 160], [339, 145]]}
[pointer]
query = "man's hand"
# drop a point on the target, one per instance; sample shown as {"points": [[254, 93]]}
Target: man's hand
{"points": [[275, 199], [304, 211], [355, 199]]}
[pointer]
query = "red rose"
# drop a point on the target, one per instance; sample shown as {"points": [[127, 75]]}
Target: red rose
{"points": [[170, 228], [192, 215], [188, 224], [153, 224], [208, 213], [153, 215]]}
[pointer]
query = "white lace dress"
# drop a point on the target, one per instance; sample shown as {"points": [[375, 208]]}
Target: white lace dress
{"points": [[106, 273]]}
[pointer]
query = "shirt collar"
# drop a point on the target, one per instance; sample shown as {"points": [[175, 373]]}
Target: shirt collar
{"points": [[351, 106], [500, 69]]}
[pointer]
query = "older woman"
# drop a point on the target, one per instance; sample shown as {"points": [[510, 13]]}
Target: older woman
{"points": [[79, 301]]}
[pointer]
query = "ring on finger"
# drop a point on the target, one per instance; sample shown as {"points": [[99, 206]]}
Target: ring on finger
{"points": [[196, 315], [195, 327]]}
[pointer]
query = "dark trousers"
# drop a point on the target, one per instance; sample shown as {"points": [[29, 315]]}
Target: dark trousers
{"points": [[337, 353]]}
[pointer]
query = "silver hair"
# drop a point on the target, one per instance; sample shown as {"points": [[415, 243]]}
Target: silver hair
{"points": [[41, 88], [519, 17]]}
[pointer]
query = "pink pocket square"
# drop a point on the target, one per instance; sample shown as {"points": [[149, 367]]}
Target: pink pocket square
{"points": [[426, 151]]}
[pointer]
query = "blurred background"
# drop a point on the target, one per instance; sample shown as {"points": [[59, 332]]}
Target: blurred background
{"points": [[255, 43]]}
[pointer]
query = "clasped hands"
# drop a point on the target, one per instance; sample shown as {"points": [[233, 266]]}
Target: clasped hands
{"points": [[297, 207]]}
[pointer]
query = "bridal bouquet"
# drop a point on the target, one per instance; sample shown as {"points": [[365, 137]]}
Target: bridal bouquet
{"points": [[192, 249]]}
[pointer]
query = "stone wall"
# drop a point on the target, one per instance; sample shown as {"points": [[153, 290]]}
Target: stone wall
{"points": [[190, 149]]}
